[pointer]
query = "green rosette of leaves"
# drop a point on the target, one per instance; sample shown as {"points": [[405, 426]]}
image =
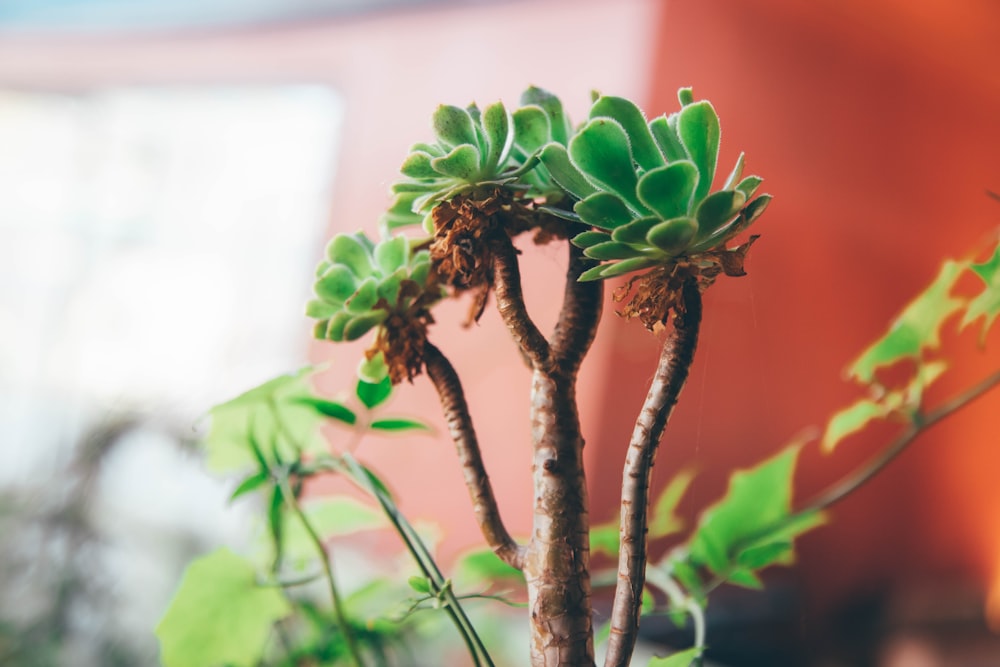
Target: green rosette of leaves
{"points": [[646, 187], [362, 285]]}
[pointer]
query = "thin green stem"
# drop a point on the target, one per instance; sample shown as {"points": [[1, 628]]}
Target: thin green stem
{"points": [[326, 559]]}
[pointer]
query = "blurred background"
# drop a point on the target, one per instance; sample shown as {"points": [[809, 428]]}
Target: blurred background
{"points": [[170, 171]]}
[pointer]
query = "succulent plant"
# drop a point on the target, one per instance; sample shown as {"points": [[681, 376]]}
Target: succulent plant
{"points": [[646, 186], [362, 285]]}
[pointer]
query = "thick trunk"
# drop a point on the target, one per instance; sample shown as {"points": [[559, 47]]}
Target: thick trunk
{"points": [[557, 562]]}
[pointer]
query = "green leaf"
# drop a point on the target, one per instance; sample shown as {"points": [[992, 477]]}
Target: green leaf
{"points": [[362, 324], [351, 252], [718, 209], [600, 150], [254, 415], [762, 555], [746, 579], [372, 395], [418, 165], [668, 190], [399, 424], [364, 298], [555, 158], [628, 115], [749, 185], [736, 174], [618, 268], [685, 96], [610, 250], [851, 420], [587, 239], [663, 518], [219, 615], [916, 328], [496, 124], [531, 128], [755, 509], [251, 483], [664, 131], [698, 129], [605, 539], [484, 566], [986, 304], [681, 659], [420, 584], [462, 162], [336, 324], [373, 370], [337, 284], [331, 409], [673, 236], [553, 108], [603, 209], [635, 231], [332, 516], [647, 604], [392, 254], [320, 310], [453, 126]]}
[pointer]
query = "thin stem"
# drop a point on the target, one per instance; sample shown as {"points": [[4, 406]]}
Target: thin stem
{"points": [[510, 303], [424, 560], [442, 374], [326, 560], [671, 374], [580, 314]]}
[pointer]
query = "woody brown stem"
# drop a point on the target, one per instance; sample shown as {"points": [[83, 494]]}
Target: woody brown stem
{"points": [[442, 374], [671, 374], [580, 314], [510, 303]]}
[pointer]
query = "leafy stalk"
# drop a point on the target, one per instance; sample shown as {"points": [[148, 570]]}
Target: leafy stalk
{"points": [[671, 374]]}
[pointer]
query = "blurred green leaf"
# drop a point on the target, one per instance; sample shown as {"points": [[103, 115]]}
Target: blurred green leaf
{"points": [[250, 483], [420, 584], [484, 566], [663, 518], [332, 516], [351, 252], [986, 304], [605, 538], [331, 409], [399, 424], [372, 395], [219, 615], [916, 328]]}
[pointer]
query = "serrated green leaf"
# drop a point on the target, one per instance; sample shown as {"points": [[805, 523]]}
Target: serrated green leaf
{"points": [[601, 151], [681, 659], [604, 210], [499, 138], [337, 284], [398, 424], [372, 395], [986, 304], [331, 409], [698, 129], [673, 236], [352, 253], [916, 328], [587, 239], [664, 131], [462, 162], [668, 190], [252, 415], [555, 158], [219, 615], [531, 128], [628, 115], [453, 126], [663, 517]]}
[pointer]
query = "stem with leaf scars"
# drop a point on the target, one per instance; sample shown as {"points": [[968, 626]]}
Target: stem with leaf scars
{"points": [[671, 374], [442, 374]]}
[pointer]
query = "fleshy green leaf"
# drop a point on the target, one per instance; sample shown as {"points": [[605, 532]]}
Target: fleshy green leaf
{"points": [[453, 126], [986, 304], [361, 324], [635, 231], [219, 615], [628, 115], [398, 424], [603, 209], [351, 252], [916, 328], [496, 124], [335, 327], [618, 268], [749, 185], [418, 165], [337, 284], [320, 310], [587, 239], [531, 128], [372, 395], [364, 298], [698, 129], [685, 96], [668, 190], [600, 149], [553, 108], [735, 175], [462, 162], [673, 236], [391, 254], [718, 209], [610, 250], [664, 131], [373, 370], [556, 160], [680, 659]]}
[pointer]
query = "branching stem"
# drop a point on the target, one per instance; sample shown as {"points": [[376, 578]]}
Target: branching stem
{"points": [[510, 303], [671, 374]]}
